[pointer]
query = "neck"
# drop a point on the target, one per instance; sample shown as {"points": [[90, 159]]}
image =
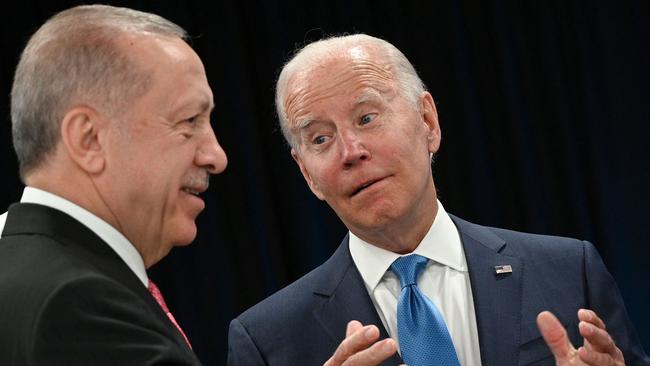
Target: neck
{"points": [[84, 192]]}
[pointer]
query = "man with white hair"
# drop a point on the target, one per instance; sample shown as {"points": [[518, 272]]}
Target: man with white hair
{"points": [[111, 125], [409, 277]]}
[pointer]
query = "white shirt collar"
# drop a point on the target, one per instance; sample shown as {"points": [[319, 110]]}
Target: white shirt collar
{"points": [[118, 242], [441, 244]]}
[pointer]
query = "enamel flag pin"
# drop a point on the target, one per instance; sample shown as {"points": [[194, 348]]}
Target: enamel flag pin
{"points": [[504, 268]]}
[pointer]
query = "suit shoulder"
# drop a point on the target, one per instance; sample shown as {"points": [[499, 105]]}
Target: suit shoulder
{"points": [[270, 329], [531, 241], [90, 293], [39, 263], [523, 243], [73, 294], [288, 301]]}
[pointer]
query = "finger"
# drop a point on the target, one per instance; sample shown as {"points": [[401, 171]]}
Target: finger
{"points": [[352, 327], [597, 359], [587, 315], [555, 336], [374, 355], [598, 340], [590, 316], [359, 340]]}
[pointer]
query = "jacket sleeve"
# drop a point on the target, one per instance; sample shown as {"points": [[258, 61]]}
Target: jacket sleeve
{"points": [[242, 351], [605, 299]]}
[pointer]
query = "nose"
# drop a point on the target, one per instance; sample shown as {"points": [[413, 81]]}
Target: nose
{"points": [[353, 149], [210, 155]]}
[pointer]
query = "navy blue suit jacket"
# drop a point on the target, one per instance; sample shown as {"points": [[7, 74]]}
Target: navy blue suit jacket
{"points": [[304, 323]]}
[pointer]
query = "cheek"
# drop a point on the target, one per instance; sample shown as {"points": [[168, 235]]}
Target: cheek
{"points": [[154, 186], [328, 179]]}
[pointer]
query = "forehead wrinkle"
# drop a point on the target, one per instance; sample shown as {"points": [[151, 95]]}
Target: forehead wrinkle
{"points": [[311, 88]]}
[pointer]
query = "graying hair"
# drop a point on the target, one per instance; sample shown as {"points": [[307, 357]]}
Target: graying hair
{"points": [[409, 83], [74, 59]]}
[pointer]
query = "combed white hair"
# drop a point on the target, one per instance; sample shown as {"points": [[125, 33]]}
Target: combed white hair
{"points": [[408, 81]]}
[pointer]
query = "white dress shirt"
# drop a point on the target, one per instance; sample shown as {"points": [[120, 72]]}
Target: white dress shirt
{"points": [[118, 242], [445, 281]]}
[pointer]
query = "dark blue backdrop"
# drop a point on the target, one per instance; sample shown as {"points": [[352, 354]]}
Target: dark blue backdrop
{"points": [[544, 108]]}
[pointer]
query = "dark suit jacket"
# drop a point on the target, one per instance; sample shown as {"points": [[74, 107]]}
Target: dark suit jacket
{"points": [[303, 323], [67, 299]]}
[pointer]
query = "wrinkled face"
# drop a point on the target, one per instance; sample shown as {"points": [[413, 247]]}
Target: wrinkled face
{"points": [[361, 145], [161, 154]]}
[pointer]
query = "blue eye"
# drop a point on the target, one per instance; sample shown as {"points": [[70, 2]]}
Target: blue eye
{"points": [[367, 118], [319, 140]]}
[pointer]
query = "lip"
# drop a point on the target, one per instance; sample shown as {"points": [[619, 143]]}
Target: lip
{"points": [[194, 190], [193, 196], [365, 185]]}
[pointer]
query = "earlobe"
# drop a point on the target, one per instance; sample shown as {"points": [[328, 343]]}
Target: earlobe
{"points": [[80, 137], [310, 182]]}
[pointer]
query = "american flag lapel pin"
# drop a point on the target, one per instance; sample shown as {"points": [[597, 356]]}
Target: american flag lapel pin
{"points": [[504, 268]]}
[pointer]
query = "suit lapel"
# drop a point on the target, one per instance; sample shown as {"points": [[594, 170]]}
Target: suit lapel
{"points": [[497, 297], [28, 218], [345, 298]]}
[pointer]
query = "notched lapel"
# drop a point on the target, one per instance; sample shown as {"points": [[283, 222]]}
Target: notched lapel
{"points": [[345, 298], [497, 296], [29, 218]]}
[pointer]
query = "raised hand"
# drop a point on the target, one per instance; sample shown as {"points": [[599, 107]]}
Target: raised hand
{"points": [[361, 347], [598, 349]]}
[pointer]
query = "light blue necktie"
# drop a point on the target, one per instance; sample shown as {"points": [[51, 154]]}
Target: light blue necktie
{"points": [[423, 336]]}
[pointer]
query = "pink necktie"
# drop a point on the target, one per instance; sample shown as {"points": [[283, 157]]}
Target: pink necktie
{"points": [[155, 292]]}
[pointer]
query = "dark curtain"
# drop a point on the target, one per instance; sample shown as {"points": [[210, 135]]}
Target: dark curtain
{"points": [[544, 108]]}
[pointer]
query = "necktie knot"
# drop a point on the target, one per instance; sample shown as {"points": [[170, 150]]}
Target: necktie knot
{"points": [[408, 268]]}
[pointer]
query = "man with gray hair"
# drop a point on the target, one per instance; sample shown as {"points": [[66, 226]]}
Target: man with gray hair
{"points": [[110, 112], [410, 277]]}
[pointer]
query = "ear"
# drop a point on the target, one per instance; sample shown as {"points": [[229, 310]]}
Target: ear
{"points": [[310, 182], [80, 129], [430, 119]]}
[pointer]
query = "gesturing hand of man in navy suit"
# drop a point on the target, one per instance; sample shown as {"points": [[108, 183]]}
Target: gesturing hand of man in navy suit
{"points": [[598, 349], [362, 346]]}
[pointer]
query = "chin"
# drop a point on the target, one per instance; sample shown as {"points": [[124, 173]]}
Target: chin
{"points": [[379, 212], [369, 221], [185, 235]]}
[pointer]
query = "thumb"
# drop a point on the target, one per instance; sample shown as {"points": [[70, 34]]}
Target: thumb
{"points": [[555, 336]]}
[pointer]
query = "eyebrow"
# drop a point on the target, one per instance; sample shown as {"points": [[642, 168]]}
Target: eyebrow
{"points": [[366, 97], [303, 123], [208, 107], [204, 105]]}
